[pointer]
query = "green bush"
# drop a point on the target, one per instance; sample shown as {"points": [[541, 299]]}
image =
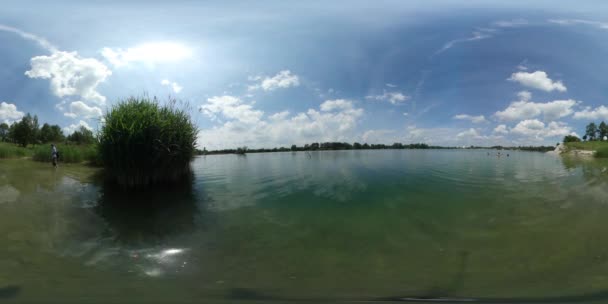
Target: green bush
{"points": [[143, 142], [67, 153], [601, 152]]}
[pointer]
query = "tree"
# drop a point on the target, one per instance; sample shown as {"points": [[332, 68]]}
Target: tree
{"points": [[585, 137], [603, 130], [50, 133], [82, 136], [25, 131], [4, 131], [294, 148], [571, 138], [357, 146], [591, 131]]}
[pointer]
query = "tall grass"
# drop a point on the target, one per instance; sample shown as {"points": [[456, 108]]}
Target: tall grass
{"points": [[143, 142], [8, 150], [67, 153], [601, 152]]}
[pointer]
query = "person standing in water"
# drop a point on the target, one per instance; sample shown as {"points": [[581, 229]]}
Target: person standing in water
{"points": [[54, 155]]}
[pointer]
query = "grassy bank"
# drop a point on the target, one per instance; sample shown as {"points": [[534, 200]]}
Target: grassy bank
{"points": [[67, 153], [42, 153], [601, 147], [9, 150]]}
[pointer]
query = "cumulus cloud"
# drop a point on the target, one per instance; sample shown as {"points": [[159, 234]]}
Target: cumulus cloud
{"points": [[335, 120], [71, 75], [537, 80], [392, 97], [470, 133], [523, 109], [230, 107], [473, 119], [176, 87], [599, 113], [524, 95], [282, 80], [147, 53], [9, 113], [337, 104], [73, 127], [501, 129], [80, 109], [535, 128]]}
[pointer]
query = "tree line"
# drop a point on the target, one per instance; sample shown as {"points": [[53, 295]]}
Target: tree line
{"points": [[323, 146], [593, 132], [27, 131]]}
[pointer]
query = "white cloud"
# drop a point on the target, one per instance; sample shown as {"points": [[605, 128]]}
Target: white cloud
{"points": [[376, 136], [522, 67], [73, 127], [473, 119], [601, 25], [392, 97], [524, 95], [470, 134], [9, 113], [230, 107], [390, 85], [511, 23], [588, 113], [282, 80], [501, 129], [80, 109], [71, 75], [45, 44], [537, 80], [337, 104], [405, 114], [147, 53], [519, 110], [535, 128], [176, 87], [480, 34], [335, 120]]}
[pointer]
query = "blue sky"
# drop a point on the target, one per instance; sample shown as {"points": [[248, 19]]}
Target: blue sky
{"points": [[275, 73]]}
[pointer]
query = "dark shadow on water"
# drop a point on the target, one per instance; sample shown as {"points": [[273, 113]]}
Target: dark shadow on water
{"points": [[9, 292], [151, 215]]}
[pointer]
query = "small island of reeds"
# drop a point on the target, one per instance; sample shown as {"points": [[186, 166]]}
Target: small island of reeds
{"points": [[143, 142]]}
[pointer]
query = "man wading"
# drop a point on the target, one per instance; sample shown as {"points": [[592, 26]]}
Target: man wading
{"points": [[54, 155]]}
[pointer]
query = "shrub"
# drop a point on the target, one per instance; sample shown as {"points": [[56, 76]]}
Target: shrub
{"points": [[601, 152], [143, 142], [12, 151], [571, 138]]}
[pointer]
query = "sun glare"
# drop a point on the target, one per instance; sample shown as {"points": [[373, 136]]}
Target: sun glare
{"points": [[149, 53]]}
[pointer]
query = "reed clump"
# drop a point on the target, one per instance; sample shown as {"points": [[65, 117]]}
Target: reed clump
{"points": [[142, 142]]}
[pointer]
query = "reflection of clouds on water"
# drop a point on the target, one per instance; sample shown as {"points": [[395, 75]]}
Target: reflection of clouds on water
{"points": [[8, 194], [233, 182]]}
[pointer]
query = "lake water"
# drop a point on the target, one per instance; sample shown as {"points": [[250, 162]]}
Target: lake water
{"points": [[319, 226]]}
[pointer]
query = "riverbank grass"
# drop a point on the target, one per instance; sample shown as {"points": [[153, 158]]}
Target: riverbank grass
{"points": [[67, 153], [143, 142], [10, 150], [601, 147]]}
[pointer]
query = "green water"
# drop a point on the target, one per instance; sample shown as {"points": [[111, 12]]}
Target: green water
{"points": [[324, 226]]}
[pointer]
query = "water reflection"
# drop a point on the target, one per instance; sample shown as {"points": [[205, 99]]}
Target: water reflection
{"points": [[149, 216]]}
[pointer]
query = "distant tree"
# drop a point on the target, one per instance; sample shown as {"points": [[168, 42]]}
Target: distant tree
{"points": [[357, 146], [294, 148], [571, 138], [25, 131], [591, 131], [314, 146], [603, 130], [82, 136], [365, 146], [4, 128], [585, 137]]}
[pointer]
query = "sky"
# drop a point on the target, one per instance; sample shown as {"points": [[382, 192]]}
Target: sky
{"points": [[277, 73]]}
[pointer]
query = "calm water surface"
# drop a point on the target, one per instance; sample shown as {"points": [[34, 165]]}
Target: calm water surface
{"points": [[324, 226]]}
